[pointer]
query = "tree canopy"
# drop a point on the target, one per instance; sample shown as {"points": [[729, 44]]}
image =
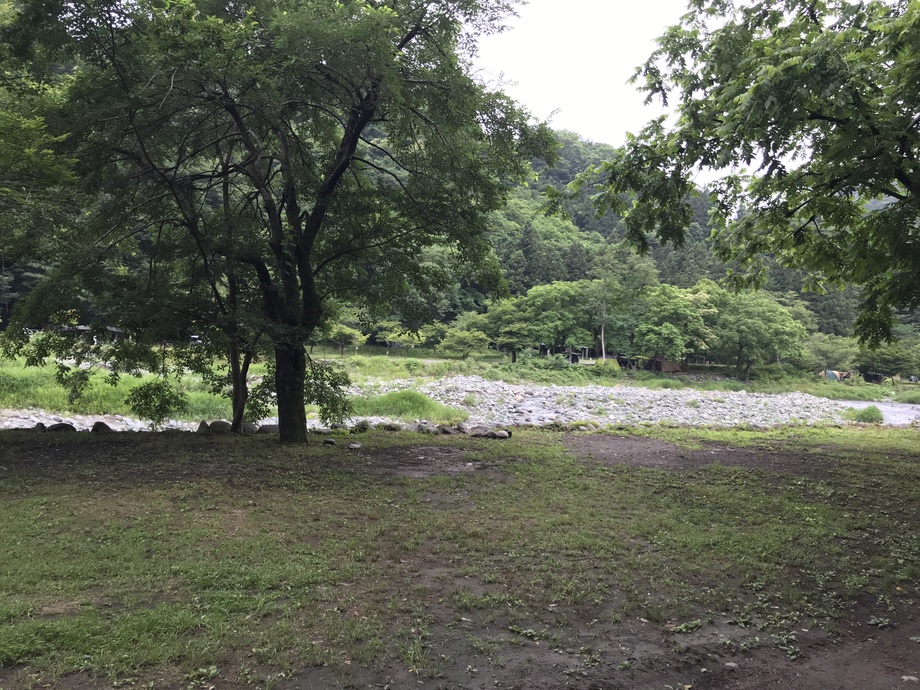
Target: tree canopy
{"points": [[809, 109], [248, 161]]}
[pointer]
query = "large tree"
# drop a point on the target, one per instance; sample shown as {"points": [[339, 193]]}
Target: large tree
{"points": [[262, 156], [809, 108], [752, 328]]}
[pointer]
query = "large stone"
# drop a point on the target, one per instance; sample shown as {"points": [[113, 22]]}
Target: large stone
{"points": [[102, 428], [62, 426], [249, 428], [39, 426], [268, 429], [220, 426], [204, 427], [328, 441]]}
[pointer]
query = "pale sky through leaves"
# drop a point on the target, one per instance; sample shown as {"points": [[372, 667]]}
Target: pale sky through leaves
{"points": [[575, 57]]}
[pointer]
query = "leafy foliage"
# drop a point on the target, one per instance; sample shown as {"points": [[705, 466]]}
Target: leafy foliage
{"points": [[345, 337], [156, 401], [326, 387], [464, 342], [869, 415], [819, 99]]}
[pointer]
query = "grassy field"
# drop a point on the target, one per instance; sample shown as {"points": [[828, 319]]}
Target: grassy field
{"points": [[23, 387], [191, 562]]}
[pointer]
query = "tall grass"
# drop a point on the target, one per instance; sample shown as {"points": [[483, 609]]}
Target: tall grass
{"points": [[407, 405], [912, 397], [23, 387]]}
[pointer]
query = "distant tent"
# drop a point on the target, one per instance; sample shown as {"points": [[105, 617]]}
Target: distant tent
{"points": [[831, 375]]}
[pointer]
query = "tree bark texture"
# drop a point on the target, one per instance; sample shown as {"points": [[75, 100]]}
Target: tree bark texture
{"points": [[290, 377]]}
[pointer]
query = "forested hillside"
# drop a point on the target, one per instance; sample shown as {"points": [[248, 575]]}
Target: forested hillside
{"points": [[574, 280]]}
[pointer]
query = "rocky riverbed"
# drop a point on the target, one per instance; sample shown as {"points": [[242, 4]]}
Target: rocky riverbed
{"points": [[495, 403]]}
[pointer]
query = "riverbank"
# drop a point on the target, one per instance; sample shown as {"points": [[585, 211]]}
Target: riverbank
{"points": [[501, 404]]}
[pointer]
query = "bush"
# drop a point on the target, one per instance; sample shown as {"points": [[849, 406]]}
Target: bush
{"points": [[156, 400], [666, 384], [775, 373], [868, 415], [727, 385]]}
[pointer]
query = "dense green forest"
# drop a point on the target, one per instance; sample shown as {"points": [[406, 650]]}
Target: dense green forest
{"points": [[573, 279]]}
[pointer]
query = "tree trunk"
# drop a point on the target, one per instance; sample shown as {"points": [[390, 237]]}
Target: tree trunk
{"points": [[513, 356], [603, 346], [290, 377], [239, 400], [239, 370]]}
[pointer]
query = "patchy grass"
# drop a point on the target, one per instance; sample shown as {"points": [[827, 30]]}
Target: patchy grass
{"points": [[910, 396], [407, 405], [242, 561], [863, 441]]}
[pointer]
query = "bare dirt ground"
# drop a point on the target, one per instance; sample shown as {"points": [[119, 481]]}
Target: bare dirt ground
{"points": [[861, 657], [858, 657]]}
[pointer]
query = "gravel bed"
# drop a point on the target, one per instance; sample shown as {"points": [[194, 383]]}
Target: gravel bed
{"points": [[498, 403]]}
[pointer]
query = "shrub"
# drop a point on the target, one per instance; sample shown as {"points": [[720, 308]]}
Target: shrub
{"points": [[868, 415], [156, 400], [667, 384], [775, 373]]}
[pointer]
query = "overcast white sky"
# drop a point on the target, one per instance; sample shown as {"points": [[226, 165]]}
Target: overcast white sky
{"points": [[575, 57]]}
